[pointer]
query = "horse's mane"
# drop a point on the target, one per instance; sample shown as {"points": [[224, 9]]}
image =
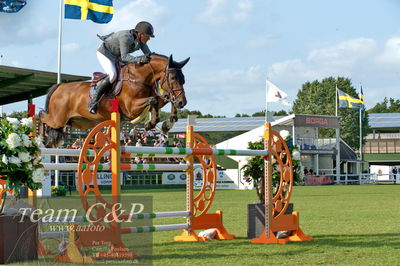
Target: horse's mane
{"points": [[160, 55]]}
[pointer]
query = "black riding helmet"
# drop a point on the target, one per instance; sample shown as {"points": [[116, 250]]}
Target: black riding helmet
{"points": [[145, 27]]}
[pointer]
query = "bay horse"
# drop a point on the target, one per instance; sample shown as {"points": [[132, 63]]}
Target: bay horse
{"points": [[145, 88]]}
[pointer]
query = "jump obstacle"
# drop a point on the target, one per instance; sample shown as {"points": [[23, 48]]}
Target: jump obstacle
{"points": [[100, 142]]}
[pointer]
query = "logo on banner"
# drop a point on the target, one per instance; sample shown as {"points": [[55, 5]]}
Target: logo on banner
{"points": [[198, 177]]}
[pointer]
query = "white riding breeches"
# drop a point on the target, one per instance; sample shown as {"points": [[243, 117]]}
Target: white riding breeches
{"points": [[108, 66]]}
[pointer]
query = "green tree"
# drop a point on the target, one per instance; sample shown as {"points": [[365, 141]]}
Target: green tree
{"points": [[386, 106], [281, 113], [254, 168], [318, 98]]}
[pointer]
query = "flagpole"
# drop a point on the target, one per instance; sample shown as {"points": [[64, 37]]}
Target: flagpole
{"points": [[59, 43], [360, 134], [266, 102], [336, 102]]}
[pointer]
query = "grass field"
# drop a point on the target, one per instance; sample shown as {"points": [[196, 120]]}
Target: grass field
{"points": [[351, 225]]}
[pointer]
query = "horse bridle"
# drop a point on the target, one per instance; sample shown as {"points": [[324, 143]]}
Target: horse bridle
{"points": [[172, 96]]}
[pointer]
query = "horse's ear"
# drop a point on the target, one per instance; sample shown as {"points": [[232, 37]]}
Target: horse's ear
{"points": [[170, 61], [183, 63]]}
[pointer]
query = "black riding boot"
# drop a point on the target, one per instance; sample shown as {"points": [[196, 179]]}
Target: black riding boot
{"points": [[102, 86]]}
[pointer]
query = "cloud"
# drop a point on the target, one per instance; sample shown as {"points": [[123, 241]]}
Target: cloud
{"points": [[391, 52], [229, 80], [127, 16], [70, 48], [28, 26], [340, 59], [344, 54], [244, 9], [222, 92], [259, 42], [220, 12]]}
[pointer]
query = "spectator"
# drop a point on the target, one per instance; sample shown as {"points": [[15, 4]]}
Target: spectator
{"points": [[139, 143], [129, 142], [311, 172], [77, 144], [305, 170]]}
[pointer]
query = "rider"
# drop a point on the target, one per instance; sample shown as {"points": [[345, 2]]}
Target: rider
{"points": [[115, 49]]}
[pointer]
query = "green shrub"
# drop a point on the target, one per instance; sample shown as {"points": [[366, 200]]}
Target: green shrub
{"points": [[59, 191]]}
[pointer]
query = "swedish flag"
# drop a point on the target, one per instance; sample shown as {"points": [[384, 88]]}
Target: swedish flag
{"points": [[99, 11], [346, 101], [361, 96]]}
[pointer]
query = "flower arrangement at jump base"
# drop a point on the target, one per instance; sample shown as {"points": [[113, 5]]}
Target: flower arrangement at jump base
{"points": [[20, 162], [254, 168]]}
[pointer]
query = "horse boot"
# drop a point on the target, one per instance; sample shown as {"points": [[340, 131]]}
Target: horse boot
{"points": [[102, 87]]}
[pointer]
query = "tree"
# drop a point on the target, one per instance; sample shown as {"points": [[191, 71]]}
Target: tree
{"points": [[254, 168], [281, 113], [386, 106], [318, 98]]}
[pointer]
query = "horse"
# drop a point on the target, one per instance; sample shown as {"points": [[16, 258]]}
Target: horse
{"points": [[144, 88]]}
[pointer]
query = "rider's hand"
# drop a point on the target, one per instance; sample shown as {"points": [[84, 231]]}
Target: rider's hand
{"points": [[144, 59]]}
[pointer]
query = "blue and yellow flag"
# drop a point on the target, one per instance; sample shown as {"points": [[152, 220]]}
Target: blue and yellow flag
{"points": [[99, 11], [361, 96], [346, 101], [11, 6]]}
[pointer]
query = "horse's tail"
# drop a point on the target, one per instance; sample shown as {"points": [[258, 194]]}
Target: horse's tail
{"points": [[49, 93], [54, 137]]}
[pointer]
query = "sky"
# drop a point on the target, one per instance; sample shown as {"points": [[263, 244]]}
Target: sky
{"points": [[234, 46]]}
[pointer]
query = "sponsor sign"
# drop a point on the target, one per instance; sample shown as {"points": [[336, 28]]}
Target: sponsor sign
{"points": [[319, 180], [103, 179], [173, 178], [179, 178], [181, 136], [223, 180], [316, 121]]}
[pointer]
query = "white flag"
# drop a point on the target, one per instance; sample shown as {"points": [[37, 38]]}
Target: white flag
{"points": [[274, 94]]}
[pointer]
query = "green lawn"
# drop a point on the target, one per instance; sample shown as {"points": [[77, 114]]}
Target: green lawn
{"points": [[351, 225]]}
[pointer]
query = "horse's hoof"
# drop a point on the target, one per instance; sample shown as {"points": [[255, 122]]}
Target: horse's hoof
{"points": [[166, 127], [148, 126], [173, 119]]}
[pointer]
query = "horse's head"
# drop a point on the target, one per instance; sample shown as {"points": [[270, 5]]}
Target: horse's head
{"points": [[171, 83]]}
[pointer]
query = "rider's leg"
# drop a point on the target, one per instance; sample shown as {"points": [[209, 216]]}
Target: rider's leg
{"points": [[103, 85], [101, 88]]}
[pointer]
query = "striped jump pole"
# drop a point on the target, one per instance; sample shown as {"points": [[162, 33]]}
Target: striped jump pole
{"points": [[154, 228], [107, 167], [192, 151], [77, 152]]}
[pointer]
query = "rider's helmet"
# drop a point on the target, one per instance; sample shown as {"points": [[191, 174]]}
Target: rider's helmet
{"points": [[145, 27]]}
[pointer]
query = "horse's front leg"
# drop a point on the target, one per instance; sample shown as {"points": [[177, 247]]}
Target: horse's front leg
{"points": [[167, 125], [154, 115], [174, 114]]}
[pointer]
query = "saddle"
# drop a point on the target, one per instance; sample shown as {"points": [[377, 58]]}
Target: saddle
{"points": [[115, 87]]}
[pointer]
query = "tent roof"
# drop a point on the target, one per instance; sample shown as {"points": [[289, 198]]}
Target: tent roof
{"points": [[18, 84]]}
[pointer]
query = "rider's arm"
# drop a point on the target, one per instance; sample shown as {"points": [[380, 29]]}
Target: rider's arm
{"points": [[125, 42], [145, 49]]}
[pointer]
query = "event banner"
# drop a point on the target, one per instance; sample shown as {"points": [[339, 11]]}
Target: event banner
{"points": [[179, 178], [103, 178]]}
